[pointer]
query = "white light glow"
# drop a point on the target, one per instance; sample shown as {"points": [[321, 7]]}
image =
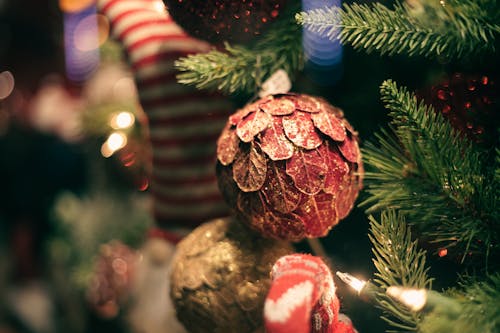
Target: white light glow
{"points": [[414, 299], [115, 141], [122, 120]]}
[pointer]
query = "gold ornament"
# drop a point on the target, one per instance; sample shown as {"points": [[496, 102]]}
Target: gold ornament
{"points": [[220, 277]]}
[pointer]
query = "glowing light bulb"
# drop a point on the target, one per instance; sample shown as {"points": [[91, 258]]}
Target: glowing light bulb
{"points": [[352, 281], [415, 299], [122, 120], [115, 141]]}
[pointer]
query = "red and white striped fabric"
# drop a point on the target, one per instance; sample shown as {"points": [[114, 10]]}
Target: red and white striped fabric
{"points": [[184, 123], [302, 298]]}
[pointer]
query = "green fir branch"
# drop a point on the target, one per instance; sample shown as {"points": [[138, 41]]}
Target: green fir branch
{"points": [[242, 68], [475, 309], [399, 263], [428, 171], [458, 29]]}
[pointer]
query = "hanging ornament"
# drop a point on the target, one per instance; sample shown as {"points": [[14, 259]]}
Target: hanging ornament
{"points": [[219, 20], [220, 277], [302, 298], [470, 103], [111, 283], [290, 165]]}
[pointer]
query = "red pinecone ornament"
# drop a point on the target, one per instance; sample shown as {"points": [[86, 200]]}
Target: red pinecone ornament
{"points": [[220, 20], [111, 282], [290, 165]]}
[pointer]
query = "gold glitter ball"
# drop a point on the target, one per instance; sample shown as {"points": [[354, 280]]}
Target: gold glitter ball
{"points": [[220, 277]]}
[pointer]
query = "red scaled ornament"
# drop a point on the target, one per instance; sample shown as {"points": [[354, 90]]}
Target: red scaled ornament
{"points": [[220, 20], [290, 165]]}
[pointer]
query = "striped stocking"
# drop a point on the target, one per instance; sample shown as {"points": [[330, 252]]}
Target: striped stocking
{"points": [[302, 298], [184, 123]]}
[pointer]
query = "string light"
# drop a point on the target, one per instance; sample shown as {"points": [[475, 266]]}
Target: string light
{"points": [[365, 289], [122, 120], [414, 299], [352, 281], [115, 141]]}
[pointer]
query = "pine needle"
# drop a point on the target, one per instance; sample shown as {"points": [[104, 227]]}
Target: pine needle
{"points": [[477, 309], [455, 30], [434, 175], [242, 68], [399, 263]]}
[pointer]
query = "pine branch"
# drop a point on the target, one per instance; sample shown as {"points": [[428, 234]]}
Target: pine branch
{"points": [[456, 30], [398, 262], [432, 142], [242, 69], [476, 309], [434, 175]]}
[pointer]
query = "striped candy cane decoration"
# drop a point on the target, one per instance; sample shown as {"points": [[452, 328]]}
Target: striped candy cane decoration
{"points": [[184, 123], [302, 298]]}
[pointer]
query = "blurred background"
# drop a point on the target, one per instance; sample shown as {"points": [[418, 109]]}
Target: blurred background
{"points": [[67, 105], [74, 158]]}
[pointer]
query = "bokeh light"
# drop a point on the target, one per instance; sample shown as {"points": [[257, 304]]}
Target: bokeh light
{"points": [[442, 252], [86, 37], [6, 84], [123, 88], [122, 120], [71, 6], [115, 141], [323, 56], [103, 28], [81, 42]]}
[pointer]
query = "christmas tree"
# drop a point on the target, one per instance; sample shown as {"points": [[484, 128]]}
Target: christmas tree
{"points": [[431, 184], [279, 117]]}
